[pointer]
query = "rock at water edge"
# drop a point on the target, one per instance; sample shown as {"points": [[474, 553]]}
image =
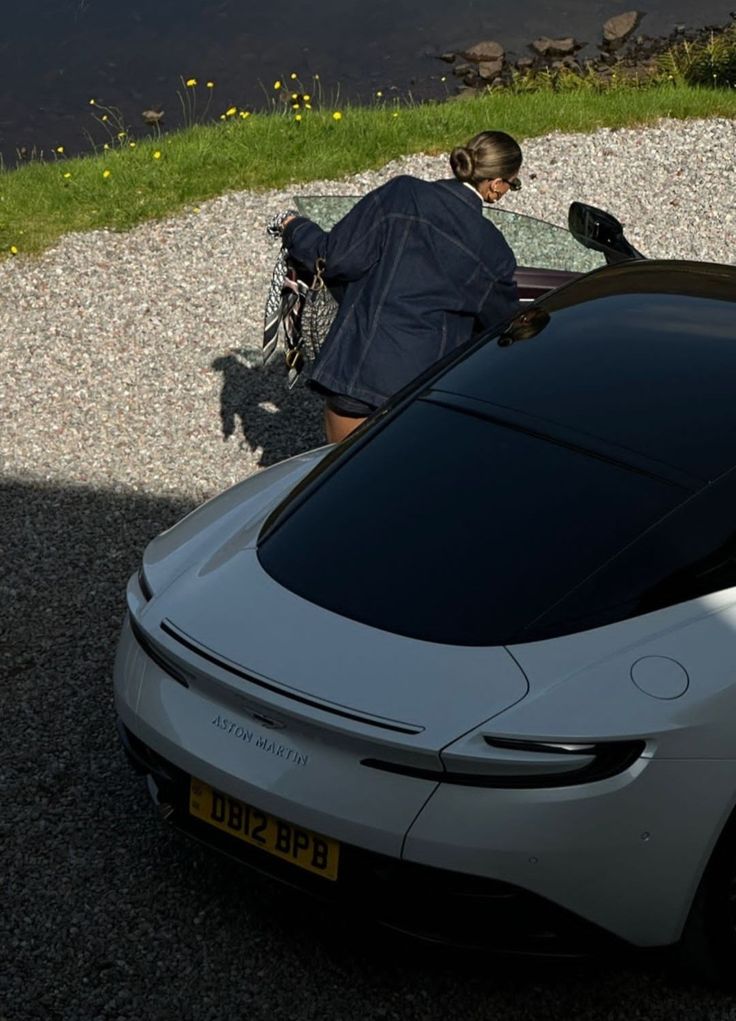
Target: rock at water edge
{"points": [[618, 29], [485, 52], [490, 69], [547, 47]]}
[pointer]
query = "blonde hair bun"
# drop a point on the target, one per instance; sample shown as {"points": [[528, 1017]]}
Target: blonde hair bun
{"points": [[485, 156], [461, 162]]}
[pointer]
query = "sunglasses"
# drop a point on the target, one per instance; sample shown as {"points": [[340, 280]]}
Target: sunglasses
{"points": [[514, 184]]}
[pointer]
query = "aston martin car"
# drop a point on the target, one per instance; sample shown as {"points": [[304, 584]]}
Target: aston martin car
{"points": [[473, 670]]}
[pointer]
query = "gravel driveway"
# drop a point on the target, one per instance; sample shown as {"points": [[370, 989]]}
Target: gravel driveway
{"points": [[131, 390]]}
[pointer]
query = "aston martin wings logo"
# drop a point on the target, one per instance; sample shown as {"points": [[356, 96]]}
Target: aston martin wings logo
{"points": [[267, 721]]}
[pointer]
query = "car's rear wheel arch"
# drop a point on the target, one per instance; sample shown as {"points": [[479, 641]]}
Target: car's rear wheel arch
{"points": [[707, 948]]}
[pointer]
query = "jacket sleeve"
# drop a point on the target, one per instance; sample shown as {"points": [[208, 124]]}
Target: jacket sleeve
{"points": [[305, 241], [352, 246], [500, 300]]}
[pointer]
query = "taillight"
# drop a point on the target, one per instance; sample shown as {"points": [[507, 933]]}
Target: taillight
{"points": [[506, 762]]}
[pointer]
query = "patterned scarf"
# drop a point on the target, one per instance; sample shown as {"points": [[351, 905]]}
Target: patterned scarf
{"points": [[300, 309]]}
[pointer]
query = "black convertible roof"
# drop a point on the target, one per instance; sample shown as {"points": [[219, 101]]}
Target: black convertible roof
{"points": [[637, 361]]}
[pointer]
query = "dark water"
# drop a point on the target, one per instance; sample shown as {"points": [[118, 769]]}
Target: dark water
{"points": [[57, 54]]}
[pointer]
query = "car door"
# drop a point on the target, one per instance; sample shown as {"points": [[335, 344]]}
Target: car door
{"points": [[547, 256]]}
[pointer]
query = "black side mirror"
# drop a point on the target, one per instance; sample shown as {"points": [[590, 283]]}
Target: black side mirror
{"points": [[597, 229]]}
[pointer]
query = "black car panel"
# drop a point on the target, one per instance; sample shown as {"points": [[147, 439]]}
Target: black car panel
{"points": [[689, 554], [450, 528], [623, 367]]}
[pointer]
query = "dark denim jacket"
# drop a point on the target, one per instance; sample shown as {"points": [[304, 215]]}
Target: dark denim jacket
{"points": [[422, 269]]}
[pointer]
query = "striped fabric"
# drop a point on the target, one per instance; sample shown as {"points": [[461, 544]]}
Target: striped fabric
{"points": [[299, 308]]}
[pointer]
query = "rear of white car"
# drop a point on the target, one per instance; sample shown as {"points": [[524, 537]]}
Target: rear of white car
{"points": [[473, 667], [585, 818]]}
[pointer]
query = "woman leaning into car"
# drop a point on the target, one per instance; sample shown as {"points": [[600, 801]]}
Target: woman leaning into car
{"points": [[421, 268]]}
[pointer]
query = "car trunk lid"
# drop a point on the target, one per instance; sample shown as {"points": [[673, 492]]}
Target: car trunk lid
{"points": [[279, 648]]}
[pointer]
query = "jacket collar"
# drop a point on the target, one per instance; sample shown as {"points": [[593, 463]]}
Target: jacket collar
{"points": [[467, 195]]}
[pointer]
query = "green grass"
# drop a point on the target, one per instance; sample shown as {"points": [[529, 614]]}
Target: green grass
{"points": [[38, 203]]}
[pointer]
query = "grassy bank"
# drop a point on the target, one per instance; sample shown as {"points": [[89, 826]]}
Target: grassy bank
{"points": [[126, 185]]}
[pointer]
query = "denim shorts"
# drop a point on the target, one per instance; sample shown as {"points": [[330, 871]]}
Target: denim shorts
{"points": [[341, 404]]}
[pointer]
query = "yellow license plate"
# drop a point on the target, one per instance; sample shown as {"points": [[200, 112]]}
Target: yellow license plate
{"points": [[308, 850]]}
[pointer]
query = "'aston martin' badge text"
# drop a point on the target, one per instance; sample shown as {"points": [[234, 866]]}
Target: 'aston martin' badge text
{"points": [[266, 744]]}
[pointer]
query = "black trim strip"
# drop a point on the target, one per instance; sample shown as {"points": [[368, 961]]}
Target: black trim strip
{"points": [[150, 650], [328, 707]]}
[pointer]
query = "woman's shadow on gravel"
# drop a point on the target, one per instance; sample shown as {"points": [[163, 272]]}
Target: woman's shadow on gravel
{"points": [[256, 404]]}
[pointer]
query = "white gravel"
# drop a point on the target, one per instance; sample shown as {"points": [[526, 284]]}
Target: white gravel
{"points": [[115, 348]]}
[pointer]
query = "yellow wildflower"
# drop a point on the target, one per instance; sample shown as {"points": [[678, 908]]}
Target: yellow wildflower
{"points": [[394, 114], [337, 116], [92, 102], [60, 148], [231, 111], [223, 117], [277, 85], [132, 145], [210, 85], [157, 154], [106, 173], [105, 146], [307, 106], [67, 175], [297, 117], [191, 82], [295, 106], [379, 94], [121, 135], [295, 95], [293, 76], [13, 250], [316, 77], [245, 114], [306, 97]]}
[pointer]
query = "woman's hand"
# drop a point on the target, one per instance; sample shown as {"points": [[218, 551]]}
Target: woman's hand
{"points": [[275, 228]]}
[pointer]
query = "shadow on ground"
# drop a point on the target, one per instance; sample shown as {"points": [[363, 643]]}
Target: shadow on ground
{"points": [[257, 408]]}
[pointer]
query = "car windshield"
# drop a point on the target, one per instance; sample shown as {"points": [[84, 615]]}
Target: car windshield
{"points": [[451, 528], [535, 243]]}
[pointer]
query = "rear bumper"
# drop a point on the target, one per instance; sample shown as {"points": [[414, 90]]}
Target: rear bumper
{"points": [[622, 856], [427, 903]]}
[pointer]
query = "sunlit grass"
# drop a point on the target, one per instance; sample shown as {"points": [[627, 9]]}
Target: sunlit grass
{"points": [[301, 140]]}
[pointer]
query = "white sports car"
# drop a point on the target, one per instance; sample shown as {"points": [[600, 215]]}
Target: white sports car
{"points": [[474, 669]]}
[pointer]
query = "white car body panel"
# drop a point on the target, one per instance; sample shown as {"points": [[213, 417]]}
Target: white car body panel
{"points": [[320, 785], [588, 687], [238, 613], [552, 841], [238, 511]]}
